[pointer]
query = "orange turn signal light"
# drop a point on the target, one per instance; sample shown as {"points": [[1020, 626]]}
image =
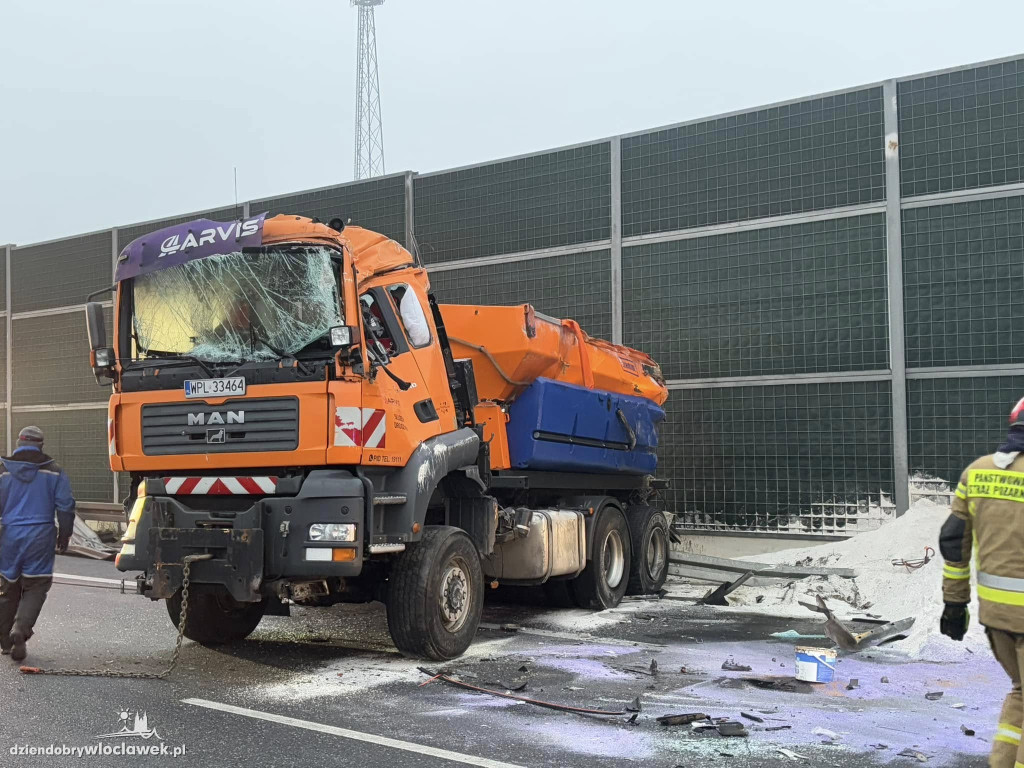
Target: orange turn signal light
{"points": [[343, 555]]}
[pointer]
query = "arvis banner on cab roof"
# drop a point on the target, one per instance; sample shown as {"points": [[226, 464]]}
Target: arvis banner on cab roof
{"points": [[198, 239]]}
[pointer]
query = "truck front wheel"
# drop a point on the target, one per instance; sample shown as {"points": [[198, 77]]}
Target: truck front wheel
{"points": [[214, 617], [648, 532], [603, 582], [435, 595]]}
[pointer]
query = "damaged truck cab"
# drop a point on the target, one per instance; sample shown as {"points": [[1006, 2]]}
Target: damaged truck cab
{"points": [[290, 401]]}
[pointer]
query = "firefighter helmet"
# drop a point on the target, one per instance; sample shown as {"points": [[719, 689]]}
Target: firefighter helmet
{"points": [[1017, 414]]}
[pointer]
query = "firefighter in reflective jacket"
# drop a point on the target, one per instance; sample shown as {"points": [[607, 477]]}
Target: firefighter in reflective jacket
{"points": [[987, 511]]}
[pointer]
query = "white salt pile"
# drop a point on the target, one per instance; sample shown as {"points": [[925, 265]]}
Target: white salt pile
{"points": [[893, 592]]}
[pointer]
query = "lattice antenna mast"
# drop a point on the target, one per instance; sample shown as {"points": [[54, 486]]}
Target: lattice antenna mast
{"points": [[369, 154]]}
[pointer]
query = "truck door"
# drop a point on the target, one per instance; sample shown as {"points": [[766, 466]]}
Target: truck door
{"points": [[382, 425], [409, 300]]}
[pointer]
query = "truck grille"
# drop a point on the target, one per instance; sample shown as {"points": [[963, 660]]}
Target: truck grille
{"points": [[266, 424]]}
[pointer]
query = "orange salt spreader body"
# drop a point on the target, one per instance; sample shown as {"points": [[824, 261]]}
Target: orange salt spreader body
{"points": [[511, 347]]}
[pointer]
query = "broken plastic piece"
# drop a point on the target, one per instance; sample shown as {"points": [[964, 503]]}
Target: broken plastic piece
{"points": [[933, 695], [685, 719]]}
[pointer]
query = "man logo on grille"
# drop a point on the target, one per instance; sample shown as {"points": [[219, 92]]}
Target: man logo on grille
{"points": [[215, 435]]}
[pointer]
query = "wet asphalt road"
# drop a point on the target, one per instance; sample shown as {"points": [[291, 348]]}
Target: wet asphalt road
{"points": [[324, 670]]}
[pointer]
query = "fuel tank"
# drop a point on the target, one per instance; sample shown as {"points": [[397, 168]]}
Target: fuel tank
{"points": [[512, 347]]}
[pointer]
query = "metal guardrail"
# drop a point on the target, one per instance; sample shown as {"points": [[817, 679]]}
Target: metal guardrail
{"points": [[101, 512]]}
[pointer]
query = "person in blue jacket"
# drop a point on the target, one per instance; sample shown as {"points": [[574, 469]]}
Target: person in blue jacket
{"points": [[32, 488]]}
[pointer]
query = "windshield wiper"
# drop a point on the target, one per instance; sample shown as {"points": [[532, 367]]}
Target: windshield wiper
{"points": [[256, 338], [173, 357]]}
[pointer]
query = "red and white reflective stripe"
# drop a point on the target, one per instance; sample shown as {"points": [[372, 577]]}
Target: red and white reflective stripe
{"points": [[111, 446], [354, 427], [221, 486]]}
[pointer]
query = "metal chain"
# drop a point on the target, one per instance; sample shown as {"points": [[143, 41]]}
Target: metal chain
{"points": [[182, 619]]}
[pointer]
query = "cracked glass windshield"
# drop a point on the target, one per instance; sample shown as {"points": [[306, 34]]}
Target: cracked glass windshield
{"points": [[260, 304]]}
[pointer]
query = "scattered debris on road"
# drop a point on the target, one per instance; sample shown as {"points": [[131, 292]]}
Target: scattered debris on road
{"points": [[730, 665], [839, 634], [711, 568], [792, 634], [913, 565], [732, 728], [536, 702], [791, 754], [685, 719], [85, 543], [717, 595], [919, 756]]}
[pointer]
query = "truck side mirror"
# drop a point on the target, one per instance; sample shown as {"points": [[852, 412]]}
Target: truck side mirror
{"points": [[101, 357]]}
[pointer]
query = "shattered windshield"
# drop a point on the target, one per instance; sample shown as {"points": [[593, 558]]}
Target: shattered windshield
{"points": [[260, 304]]}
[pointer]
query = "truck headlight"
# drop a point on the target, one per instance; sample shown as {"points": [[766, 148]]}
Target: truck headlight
{"points": [[332, 532]]}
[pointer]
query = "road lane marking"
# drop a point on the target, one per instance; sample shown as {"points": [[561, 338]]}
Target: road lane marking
{"points": [[369, 738]]}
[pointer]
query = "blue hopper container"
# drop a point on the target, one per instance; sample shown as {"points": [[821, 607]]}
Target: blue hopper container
{"points": [[561, 427]]}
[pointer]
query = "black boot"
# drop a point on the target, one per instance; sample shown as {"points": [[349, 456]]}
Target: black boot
{"points": [[5, 645], [18, 649]]}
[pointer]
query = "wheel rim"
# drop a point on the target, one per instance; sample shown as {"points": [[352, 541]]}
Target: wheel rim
{"points": [[455, 595], [656, 554], [613, 559]]}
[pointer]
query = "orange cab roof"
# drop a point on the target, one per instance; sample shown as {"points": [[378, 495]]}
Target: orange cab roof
{"points": [[372, 253]]}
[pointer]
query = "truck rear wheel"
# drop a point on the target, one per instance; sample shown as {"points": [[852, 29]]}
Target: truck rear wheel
{"points": [[435, 595], [648, 533], [214, 617], [603, 582]]}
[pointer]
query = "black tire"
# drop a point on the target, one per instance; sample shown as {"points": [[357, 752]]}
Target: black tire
{"points": [[603, 582], [214, 617], [430, 614], [648, 535]]}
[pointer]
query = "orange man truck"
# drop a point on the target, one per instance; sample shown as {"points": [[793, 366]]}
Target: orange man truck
{"points": [[292, 405]]}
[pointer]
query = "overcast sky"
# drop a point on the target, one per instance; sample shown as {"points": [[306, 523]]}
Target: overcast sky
{"points": [[115, 112]]}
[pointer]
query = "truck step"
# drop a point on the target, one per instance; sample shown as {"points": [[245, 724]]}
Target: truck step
{"points": [[388, 499], [380, 549]]}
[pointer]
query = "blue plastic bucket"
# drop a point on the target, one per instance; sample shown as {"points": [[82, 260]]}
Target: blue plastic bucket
{"points": [[815, 665]]}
